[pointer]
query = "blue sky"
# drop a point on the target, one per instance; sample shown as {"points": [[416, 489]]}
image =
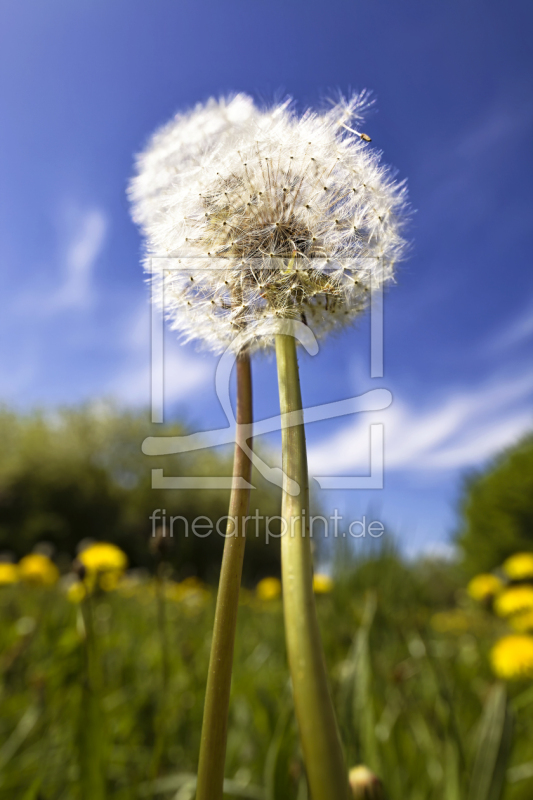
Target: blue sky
{"points": [[84, 84]]}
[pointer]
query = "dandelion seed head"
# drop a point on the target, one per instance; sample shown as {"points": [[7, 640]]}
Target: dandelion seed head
{"points": [[271, 216]]}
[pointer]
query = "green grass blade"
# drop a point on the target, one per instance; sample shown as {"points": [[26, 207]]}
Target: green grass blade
{"points": [[277, 780], [363, 704], [21, 732], [493, 747]]}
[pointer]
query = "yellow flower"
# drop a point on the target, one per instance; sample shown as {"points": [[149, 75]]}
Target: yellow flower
{"points": [[76, 592], [522, 622], [484, 586], [519, 566], [364, 784], [268, 589], [132, 585], [38, 569], [513, 600], [455, 621], [103, 556], [322, 584], [512, 657], [191, 591], [105, 563], [8, 573]]}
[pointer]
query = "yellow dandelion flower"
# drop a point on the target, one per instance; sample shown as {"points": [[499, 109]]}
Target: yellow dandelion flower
{"points": [[484, 586], [76, 592], [522, 622], [105, 563], [191, 591], [322, 584], [38, 569], [519, 566], [268, 589], [103, 556], [364, 784], [512, 657], [513, 600], [455, 621], [8, 573], [173, 591], [132, 585]]}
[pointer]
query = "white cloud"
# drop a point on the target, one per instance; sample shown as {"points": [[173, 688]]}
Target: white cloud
{"points": [[503, 123], [517, 332], [463, 430], [82, 250], [184, 373], [433, 550], [183, 376]]}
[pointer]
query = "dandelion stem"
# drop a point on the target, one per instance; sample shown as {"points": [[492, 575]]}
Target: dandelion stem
{"points": [[322, 749], [91, 744], [162, 715], [215, 722]]}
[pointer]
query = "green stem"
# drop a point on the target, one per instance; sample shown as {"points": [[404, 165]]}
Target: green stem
{"points": [[321, 744], [162, 715], [92, 778], [215, 722]]}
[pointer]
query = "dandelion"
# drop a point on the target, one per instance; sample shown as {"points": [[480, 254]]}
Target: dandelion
{"points": [[365, 785], [519, 567], [484, 586], [513, 600], [322, 584], [523, 621], [512, 657], [266, 216], [269, 219], [191, 591], [76, 591], [134, 584], [268, 589], [104, 563], [8, 573], [38, 569]]}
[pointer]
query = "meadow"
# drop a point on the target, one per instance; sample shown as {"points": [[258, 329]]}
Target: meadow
{"points": [[102, 696]]}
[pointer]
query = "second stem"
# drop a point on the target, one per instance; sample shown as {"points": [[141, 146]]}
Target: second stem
{"points": [[215, 722], [321, 744]]}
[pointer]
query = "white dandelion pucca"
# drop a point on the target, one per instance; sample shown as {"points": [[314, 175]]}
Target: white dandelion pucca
{"points": [[254, 216]]}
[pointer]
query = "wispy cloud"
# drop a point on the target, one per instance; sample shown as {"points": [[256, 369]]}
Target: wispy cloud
{"points": [[82, 250], [463, 430], [501, 124], [514, 334], [183, 376], [465, 181], [184, 373]]}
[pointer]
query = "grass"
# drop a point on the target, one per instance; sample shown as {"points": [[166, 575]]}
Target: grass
{"points": [[419, 707]]}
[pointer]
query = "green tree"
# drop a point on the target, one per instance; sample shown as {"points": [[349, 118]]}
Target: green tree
{"points": [[78, 474], [497, 509]]}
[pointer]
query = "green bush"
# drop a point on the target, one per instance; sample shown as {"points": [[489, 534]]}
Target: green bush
{"points": [[80, 474], [497, 509]]}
